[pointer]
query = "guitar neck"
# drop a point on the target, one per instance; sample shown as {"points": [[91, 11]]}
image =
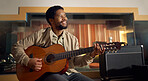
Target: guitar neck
{"points": [[66, 55], [73, 53]]}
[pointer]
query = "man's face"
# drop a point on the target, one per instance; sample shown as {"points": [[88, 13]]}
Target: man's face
{"points": [[60, 20]]}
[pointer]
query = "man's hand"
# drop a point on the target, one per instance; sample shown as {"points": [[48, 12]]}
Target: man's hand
{"points": [[97, 50], [35, 64]]}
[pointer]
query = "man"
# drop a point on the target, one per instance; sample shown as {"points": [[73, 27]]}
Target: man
{"points": [[56, 17]]}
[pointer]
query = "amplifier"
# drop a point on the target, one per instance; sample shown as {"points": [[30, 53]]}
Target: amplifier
{"points": [[120, 64]]}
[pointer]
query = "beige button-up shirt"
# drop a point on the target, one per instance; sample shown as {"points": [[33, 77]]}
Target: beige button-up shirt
{"points": [[45, 38]]}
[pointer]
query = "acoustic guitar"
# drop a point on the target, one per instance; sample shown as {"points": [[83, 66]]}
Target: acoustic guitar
{"points": [[54, 60]]}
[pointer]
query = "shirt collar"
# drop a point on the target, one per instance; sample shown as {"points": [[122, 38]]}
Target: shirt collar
{"points": [[53, 35]]}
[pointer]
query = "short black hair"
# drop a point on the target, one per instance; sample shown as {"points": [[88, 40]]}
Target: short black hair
{"points": [[51, 12]]}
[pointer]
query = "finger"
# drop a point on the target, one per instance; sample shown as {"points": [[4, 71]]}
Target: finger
{"points": [[39, 60], [38, 63], [37, 69], [102, 51], [96, 46], [101, 47]]}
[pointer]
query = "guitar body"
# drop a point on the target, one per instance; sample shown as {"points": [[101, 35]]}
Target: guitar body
{"points": [[60, 66]]}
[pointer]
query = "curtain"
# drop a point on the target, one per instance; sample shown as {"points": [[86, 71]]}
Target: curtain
{"points": [[89, 33]]}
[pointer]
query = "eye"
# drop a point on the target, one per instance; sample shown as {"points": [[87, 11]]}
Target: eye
{"points": [[62, 15]]}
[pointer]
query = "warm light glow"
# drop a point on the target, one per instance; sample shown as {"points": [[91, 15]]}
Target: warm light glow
{"points": [[123, 36]]}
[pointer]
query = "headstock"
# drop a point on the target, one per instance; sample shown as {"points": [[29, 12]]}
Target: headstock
{"points": [[110, 47]]}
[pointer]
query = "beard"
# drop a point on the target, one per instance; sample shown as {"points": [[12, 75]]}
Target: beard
{"points": [[60, 27]]}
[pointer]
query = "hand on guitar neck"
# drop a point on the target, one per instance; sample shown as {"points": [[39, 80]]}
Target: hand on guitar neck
{"points": [[98, 50]]}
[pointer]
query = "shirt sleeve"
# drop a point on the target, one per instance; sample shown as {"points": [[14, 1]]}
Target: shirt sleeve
{"points": [[81, 60], [19, 47]]}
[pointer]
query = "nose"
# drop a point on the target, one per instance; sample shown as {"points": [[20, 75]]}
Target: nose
{"points": [[64, 18]]}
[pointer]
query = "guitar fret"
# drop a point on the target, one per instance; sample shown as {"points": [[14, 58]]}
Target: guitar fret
{"points": [[63, 56], [59, 56], [82, 51], [77, 52], [73, 53], [67, 55]]}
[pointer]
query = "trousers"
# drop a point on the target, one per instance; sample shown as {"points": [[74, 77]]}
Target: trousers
{"points": [[64, 77]]}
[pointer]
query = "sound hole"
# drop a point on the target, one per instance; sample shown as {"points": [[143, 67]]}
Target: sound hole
{"points": [[50, 58]]}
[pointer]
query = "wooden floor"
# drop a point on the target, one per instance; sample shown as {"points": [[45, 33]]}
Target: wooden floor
{"points": [[8, 77]]}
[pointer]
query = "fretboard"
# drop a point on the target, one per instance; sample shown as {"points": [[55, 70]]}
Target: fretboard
{"points": [[69, 54], [108, 47]]}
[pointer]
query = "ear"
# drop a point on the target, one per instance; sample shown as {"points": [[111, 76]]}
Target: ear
{"points": [[51, 20]]}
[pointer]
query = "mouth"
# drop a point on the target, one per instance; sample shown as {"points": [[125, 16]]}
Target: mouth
{"points": [[64, 23]]}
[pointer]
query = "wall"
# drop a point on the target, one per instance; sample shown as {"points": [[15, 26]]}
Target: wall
{"points": [[141, 30], [11, 6]]}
